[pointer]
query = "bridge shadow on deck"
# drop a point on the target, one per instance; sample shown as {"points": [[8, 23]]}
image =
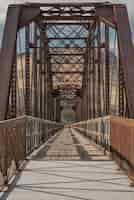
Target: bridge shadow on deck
{"points": [[70, 180], [51, 179], [67, 145]]}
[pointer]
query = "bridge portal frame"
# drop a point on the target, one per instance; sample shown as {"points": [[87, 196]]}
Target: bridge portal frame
{"points": [[19, 15]]}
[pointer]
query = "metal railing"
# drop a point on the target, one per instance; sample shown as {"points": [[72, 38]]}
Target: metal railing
{"points": [[122, 140], [21, 136], [114, 134], [96, 129]]}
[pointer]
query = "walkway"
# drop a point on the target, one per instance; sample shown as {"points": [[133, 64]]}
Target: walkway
{"points": [[46, 179]]}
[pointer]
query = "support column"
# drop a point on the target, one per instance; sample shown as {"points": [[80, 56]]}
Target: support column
{"points": [[14, 89], [40, 79], [27, 72], [35, 73], [93, 82], [99, 70], [107, 71]]}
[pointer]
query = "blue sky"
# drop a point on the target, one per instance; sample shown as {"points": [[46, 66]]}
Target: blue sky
{"points": [[4, 5]]}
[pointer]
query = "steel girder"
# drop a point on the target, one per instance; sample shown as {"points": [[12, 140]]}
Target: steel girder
{"points": [[114, 15]]}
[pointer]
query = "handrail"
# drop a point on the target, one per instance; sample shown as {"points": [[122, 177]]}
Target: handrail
{"points": [[97, 129], [20, 136], [116, 135]]}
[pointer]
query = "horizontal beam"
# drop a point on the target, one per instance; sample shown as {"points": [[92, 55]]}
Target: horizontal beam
{"points": [[75, 23], [67, 72], [71, 48], [108, 23], [73, 17], [68, 4], [67, 38], [71, 63], [52, 12], [66, 54]]}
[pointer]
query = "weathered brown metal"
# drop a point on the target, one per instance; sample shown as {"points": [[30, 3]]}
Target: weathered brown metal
{"points": [[35, 73], [93, 83], [99, 70], [14, 88], [107, 70], [12, 143], [45, 76], [7, 56], [68, 4], [67, 72], [122, 140], [27, 72], [105, 13], [7, 51], [117, 132], [66, 54], [126, 52], [68, 18], [121, 88], [67, 38], [52, 68], [28, 15], [17, 139], [41, 79]]}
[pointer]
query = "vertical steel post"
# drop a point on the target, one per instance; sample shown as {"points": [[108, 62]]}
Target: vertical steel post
{"points": [[27, 72], [14, 88], [7, 56], [35, 73], [107, 70], [93, 81], [99, 70], [121, 88], [40, 77], [89, 75], [12, 97], [126, 52]]}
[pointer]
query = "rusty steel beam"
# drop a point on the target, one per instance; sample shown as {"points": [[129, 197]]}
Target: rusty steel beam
{"points": [[108, 22], [35, 73], [99, 70], [93, 84], [14, 88], [40, 80], [68, 18], [66, 63], [27, 72], [111, 15], [66, 54], [28, 15], [7, 56], [89, 88], [121, 88], [67, 23], [67, 38], [67, 72], [107, 71], [12, 97], [14, 21], [106, 13], [126, 52], [68, 4], [75, 12]]}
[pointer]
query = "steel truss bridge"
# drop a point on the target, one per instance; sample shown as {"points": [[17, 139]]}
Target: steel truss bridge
{"points": [[77, 59]]}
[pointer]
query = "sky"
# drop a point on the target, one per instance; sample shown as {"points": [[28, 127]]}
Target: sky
{"points": [[4, 5]]}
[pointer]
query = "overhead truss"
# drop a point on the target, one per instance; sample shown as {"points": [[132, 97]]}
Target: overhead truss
{"points": [[67, 56]]}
